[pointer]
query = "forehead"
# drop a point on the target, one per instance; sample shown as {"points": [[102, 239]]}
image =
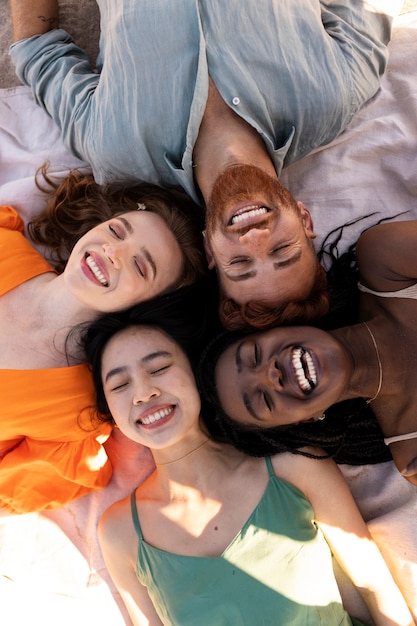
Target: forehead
{"points": [[271, 286], [139, 218], [141, 338]]}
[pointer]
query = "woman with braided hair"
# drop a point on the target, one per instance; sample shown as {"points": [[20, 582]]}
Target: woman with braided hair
{"points": [[214, 536], [292, 375]]}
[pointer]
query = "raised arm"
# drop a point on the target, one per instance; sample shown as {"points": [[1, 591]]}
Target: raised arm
{"points": [[349, 539], [33, 17], [386, 255], [59, 73], [118, 542]]}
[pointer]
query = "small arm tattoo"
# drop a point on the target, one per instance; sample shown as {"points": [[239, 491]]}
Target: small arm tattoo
{"points": [[50, 20]]}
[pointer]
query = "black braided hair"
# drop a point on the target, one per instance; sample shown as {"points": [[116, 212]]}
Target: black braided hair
{"points": [[349, 434], [342, 276]]}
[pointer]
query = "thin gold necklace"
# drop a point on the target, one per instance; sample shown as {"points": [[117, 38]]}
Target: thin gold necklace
{"points": [[379, 364], [185, 455]]}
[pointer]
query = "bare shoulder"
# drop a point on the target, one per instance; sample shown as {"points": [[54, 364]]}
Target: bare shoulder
{"points": [[323, 484], [385, 254], [306, 472], [116, 524]]}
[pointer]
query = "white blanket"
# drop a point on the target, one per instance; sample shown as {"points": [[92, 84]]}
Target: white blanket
{"points": [[51, 569]]}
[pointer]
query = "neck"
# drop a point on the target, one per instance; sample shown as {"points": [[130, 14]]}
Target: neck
{"points": [[365, 380], [185, 455], [194, 461], [57, 312], [224, 140]]}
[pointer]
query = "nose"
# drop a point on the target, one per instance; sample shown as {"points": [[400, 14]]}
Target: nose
{"points": [[145, 393], [257, 240], [113, 253], [270, 375]]}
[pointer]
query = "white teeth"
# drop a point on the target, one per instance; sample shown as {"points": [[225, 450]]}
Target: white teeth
{"points": [[251, 211], [304, 369], [155, 417], [96, 270]]}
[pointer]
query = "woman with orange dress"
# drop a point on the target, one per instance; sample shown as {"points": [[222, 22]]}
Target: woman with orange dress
{"points": [[116, 247]]}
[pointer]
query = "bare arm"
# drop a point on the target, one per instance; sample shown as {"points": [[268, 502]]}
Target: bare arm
{"points": [[348, 537], [386, 255], [33, 17], [118, 542]]}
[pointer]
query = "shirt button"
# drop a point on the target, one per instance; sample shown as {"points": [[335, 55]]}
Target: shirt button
{"points": [[236, 100]]}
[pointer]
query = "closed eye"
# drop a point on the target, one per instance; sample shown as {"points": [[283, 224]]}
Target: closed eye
{"points": [[238, 260], [280, 248], [139, 269], [119, 387], [267, 401], [160, 370], [256, 354], [117, 231]]}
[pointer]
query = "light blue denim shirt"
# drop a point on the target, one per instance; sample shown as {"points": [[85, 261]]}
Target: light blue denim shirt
{"points": [[297, 71]]}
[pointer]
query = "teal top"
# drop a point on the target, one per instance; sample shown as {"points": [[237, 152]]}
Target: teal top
{"points": [[277, 570]]}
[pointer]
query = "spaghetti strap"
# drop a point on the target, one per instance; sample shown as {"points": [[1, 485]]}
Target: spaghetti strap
{"points": [[408, 292], [389, 440], [135, 515], [269, 467]]}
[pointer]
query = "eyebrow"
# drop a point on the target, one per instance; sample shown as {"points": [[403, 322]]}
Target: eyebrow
{"points": [[249, 407], [246, 400], [146, 359], [126, 224], [276, 265], [150, 260]]}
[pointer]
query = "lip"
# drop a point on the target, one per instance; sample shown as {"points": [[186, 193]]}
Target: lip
{"points": [[100, 271], [291, 374], [162, 413], [249, 213]]}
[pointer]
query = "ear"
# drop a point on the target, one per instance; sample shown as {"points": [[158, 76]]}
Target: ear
{"points": [[209, 254], [307, 220]]}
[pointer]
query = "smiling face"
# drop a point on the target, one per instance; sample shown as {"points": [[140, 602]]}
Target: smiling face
{"points": [[259, 239], [126, 260], [282, 376], [150, 387]]}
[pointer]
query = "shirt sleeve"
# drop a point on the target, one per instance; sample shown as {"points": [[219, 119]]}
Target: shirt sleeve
{"points": [[63, 83]]}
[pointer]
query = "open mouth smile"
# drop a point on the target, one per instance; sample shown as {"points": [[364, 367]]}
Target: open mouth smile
{"points": [[151, 418], [248, 214], [95, 270], [304, 369]]}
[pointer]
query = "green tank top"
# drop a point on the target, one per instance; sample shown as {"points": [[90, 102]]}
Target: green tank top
{"points": [[276, 571]]}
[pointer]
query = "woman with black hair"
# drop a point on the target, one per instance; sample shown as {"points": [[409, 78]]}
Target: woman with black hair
{"points": [[292, 375], [214, 536], [108, 248]]}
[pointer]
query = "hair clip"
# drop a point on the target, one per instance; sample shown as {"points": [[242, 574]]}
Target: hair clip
{"points": [[141, 206]]}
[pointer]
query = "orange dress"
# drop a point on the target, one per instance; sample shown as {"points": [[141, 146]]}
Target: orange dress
{"points": [[51, 448]]}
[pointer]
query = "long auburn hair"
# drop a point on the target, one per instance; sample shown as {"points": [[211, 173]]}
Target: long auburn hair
{"points": [[78, 204]]}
